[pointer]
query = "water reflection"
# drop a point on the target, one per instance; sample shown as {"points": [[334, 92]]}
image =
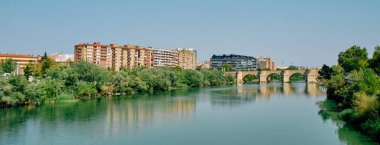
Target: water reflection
{"points": [[118, 118], [140, 114], [246, 93]]}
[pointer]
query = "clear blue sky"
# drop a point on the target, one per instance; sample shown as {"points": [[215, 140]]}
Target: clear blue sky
{"points": [[295, 32]]}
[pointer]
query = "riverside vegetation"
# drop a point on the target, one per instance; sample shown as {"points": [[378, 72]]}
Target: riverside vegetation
{"points": [[82, 80], [353, 87]]}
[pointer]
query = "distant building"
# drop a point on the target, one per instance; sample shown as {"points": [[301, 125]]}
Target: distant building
{"points": [[114, 56], [187, 58], [62, 58], [204, 64], [238, 62], [266, 63], [163, 57], [21, 61]]}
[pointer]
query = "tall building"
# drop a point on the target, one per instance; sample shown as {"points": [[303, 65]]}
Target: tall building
{"points": [[266, 63], [238, 62], [114, 56], [163, 57], [94, 53], [187, 58]]}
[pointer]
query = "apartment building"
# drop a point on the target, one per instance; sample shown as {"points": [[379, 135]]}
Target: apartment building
{"points": [[238, 62], [187, 58], [94, 53], [114, 56], [138, 56], [163, 57]]}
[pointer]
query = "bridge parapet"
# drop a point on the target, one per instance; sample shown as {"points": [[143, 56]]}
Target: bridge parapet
{"points": [[310, 75]]}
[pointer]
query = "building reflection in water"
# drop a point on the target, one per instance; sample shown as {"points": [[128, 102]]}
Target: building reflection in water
{"points": [[120, 116], [140, 114], [246, 93]]}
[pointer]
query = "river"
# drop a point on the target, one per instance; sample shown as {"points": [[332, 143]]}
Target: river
{"points": [[266, 114]]}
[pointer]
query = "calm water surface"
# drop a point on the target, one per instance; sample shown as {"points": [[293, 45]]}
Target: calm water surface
{"points": [[271, 114]]}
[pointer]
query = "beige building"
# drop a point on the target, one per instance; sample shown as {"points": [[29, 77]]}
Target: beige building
{"points": [[187, 58], [163, 57], [138, 56], [266, 63], [114, 56], [21, 61], [94, 53]]}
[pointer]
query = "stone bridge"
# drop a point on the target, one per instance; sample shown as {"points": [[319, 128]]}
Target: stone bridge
{"points": [[309, 75]]}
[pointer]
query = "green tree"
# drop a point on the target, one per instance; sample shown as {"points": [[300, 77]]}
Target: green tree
{"points": [[193, 78], [353, 58], [8, 66], [227, 67], [85, 90], [28, 71], [325, 72], [18, 83], [374, 62], [336, 84], [1, 69], [46, 63]]}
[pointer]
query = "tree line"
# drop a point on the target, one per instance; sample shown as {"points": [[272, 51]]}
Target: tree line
{"points": [[354, 86], [82, 80]]}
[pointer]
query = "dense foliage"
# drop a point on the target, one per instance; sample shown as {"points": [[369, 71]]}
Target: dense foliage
{"points": [[84, 80], [7, 66], [355, 87]]}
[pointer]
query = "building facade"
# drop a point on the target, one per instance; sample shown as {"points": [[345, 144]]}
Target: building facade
{"points": [[266, 63], [187, 58], [238, 62], [163, 57], [114, 56]]}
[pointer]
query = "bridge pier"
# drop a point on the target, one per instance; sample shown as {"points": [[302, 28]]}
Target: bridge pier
{"points": [[312, 76], [239, 78], [263, 77], [286, 76]]}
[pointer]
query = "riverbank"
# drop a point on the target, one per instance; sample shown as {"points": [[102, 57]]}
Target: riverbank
{"points": [[83, 80], [347, 132], [258, 114], [354, 86]]}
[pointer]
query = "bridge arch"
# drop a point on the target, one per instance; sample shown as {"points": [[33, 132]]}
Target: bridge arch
{"points": [[274, 76], [298, 76], [309, 75], [251, 78]]}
